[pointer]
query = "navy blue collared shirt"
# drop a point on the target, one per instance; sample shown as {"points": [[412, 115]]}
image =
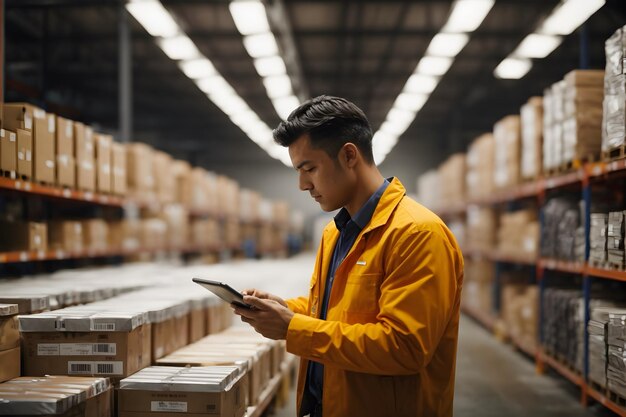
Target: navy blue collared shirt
{"points": [[349, 229]]}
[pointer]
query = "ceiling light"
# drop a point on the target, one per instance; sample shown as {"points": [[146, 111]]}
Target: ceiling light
{"points": [[433, 65], [285, 105], [384, 142], [154, 18], [277, 86], [420, 84], [229, 103], [214, 85], [197, 68], [179, 47], [410, 102], [447, 44], [260, 45], [395, 129], [273, 65], [249, 17], [399, 116], [569, 15], [379, 157], [467, 15], [513, 68], [245, 118], [537, 46]]}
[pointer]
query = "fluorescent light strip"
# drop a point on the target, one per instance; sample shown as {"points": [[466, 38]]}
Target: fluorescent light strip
{"points": [[250, 18], [565, 18], [177, 46], [466, 16]]}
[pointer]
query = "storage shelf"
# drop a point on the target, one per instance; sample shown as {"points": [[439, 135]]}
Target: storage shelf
{"points": [[606, 402], [562, 266], [562, 369], [487, 320], [523, 347], [497, 257], [60, 192], [570, 178], [268, 394], [605, 273], [57, 255]]}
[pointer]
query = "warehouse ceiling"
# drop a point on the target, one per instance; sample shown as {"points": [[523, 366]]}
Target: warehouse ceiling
{"points": [[63, 55]]}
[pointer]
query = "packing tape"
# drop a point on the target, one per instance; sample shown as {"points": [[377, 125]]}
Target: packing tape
{"points": [[28, 122]]}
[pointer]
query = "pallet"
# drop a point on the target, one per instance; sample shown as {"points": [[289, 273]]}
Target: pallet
{"points": [[597, 387], [11, 174], [616, 398], [614, 154]]}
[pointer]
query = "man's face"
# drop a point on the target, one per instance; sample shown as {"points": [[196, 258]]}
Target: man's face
{"points": [[328, 180]]}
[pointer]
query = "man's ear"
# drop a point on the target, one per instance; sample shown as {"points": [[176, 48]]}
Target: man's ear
{"points": [[349, 153]]}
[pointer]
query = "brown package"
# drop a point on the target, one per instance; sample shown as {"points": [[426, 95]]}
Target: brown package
{"points": [[103, 162], [8, 152], [23, 236]]}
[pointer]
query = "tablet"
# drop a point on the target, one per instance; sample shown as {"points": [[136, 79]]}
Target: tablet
{"points": [[224, 291]]}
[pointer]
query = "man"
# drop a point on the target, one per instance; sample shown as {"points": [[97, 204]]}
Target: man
{"points": [[377, 333]]}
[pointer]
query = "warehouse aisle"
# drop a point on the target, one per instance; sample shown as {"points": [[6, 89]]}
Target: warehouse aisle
{"points": [[493, 380]]}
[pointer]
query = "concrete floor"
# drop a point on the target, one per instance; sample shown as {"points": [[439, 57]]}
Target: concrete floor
{"points": [[493, 380]]}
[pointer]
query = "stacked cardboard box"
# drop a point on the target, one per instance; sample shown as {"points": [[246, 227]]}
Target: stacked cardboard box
{"points": [[616, 355], [66, 162], [597, 328], [176, 218], [140, 171], [564, 324], [481, 228], [598, 238], [614, 105], [428, 190], [9, 342], [520, 310], [205, 233], [23, 236], [197, 391], [582, 125], [118, 171], [615, 239], [96, 235], [125, 235], [553, 117], [507, 142], [518, 235], [478, 285], [227, 197], [532, 138], [250, 202], [104, 144], [452, 180], [199, 190], [42, 126], [153, 234], [480, 167], [58, 396], [8, 153], [66, 235], [165, 182], [85, 149]]}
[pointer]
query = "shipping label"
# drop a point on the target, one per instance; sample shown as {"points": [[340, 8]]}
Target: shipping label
{"points": [[169, 406], [92, 368]]}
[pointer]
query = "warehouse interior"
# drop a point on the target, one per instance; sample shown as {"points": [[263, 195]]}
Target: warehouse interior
{"points": [[136, 153]]}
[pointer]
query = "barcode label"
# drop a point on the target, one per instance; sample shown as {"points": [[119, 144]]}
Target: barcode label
{"points": [[93, 368], [103, 327], [47, 349], [87, 349], [169, 406]]}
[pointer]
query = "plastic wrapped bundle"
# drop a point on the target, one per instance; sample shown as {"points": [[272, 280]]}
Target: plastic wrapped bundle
{"points": [[614, 109]]}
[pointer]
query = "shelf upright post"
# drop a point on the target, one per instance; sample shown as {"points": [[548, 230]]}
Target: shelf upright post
{"points": [[125, 79], [586, 188], [540, 271]]}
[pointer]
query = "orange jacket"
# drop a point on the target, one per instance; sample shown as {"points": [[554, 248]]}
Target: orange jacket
{"points": [[389, 342]]}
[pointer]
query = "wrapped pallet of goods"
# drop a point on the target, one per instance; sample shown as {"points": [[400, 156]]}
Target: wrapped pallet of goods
{"points": [[531, 116], [506, 153], [582, 123], [480, 167], [614, 105], [452, 180], [548, 147], [518, 235]]}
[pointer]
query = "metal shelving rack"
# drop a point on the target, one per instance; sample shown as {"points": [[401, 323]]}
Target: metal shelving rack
{"points": [[580, 180]]}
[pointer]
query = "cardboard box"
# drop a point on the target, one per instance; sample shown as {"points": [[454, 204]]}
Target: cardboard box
{"points": [[66, 235], [8, 152], [169, 335], [199, 391], [9, 329], [56, 395], [66, 163], [85, 157], [532, 138], [585, 78], [43, 128], [112, 354], [95, 235], [139, 170], [27, 304], [197, 324], [23, 236], [507, 140], [9, 364], [165, 182], [24, 153], [103, 162], [119, 169]]}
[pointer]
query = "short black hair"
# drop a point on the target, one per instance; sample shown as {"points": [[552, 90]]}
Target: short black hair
{"points": [[330, 122]]}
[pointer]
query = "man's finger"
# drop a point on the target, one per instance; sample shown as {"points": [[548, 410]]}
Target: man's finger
{"points": [[255, 302]]}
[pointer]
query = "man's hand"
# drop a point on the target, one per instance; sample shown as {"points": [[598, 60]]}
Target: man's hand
{"points": [[268, 317], [264, 295]]}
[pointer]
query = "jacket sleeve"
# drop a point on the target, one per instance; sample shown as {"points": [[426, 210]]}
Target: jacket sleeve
{"points": [[418, 297], [298, 305]]}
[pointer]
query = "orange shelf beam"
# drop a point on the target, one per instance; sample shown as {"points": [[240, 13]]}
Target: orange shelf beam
{"points": [[562, 266], [606, 402], [605, 273]]}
